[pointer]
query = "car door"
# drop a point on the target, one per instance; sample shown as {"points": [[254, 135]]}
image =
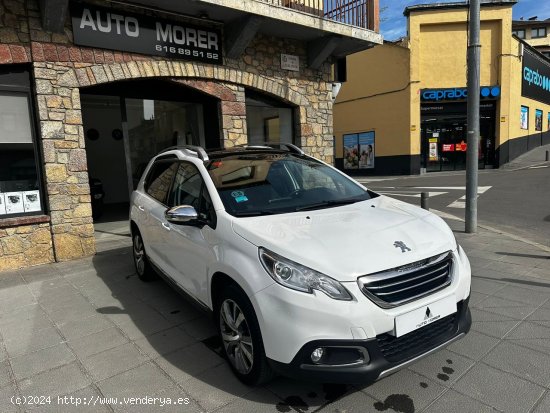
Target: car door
{"points": [[154, 226], [191, 245]]}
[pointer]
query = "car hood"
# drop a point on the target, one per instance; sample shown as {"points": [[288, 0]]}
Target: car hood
{"points": [[349, 241]]}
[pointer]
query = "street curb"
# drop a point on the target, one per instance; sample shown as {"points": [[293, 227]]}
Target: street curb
{"points": [[515, 237]]}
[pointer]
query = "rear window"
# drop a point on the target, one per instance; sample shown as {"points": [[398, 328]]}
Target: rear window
{"points": [[160, 178]]}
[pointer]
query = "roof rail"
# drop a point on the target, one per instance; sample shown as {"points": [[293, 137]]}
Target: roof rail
{"points": [[272, 145], [192, 150]]}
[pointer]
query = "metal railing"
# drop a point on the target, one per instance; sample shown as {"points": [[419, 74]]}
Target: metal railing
{"points": [[360, 13]]}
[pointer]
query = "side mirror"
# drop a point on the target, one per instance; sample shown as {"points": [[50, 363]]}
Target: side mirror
{"points": [[181, 214]]}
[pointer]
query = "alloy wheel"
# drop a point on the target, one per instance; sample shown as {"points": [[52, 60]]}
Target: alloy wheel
{"points": [[236, 336], [139, 254]]}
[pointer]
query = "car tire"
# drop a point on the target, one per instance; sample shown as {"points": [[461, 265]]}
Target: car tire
{"points": [[143, 268], [241, 337]]}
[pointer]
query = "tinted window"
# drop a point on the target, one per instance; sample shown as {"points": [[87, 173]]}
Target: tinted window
{"points": [[160, 178], [256, 184]]}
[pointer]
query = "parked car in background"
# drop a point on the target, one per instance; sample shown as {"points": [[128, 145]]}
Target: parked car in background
{"points": [[307, 272]]}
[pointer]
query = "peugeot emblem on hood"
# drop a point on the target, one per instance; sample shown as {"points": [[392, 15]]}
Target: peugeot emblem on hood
{"points": [[402, 245]]}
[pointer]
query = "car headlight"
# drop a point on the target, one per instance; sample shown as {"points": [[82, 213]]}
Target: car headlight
{"points": [[300, 278]]}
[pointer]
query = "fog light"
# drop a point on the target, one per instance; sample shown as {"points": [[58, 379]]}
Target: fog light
{"points": [[317, 354]]}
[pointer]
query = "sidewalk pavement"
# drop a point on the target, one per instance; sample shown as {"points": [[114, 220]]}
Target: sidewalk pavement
{"points": [[90, 329]]}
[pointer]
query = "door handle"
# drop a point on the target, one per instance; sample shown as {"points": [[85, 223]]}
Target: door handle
{"points": [[165, 226], [141, 208]]}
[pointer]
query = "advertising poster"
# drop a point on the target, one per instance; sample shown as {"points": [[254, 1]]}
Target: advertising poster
{"points": [[31, 201], [366, 150], [2, 204], [14, 202], [524, 120], [538, 120], [351, 151], [434, 153]]}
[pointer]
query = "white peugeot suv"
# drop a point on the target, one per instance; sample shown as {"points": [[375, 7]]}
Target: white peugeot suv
{"points": [[307, 273]]}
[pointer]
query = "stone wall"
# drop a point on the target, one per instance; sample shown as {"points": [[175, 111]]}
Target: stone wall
{"points": [[25, 244], [61, 69]]}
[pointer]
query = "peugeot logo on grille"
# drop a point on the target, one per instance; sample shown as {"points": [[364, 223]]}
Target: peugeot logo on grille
{"points": [[402, 245]]}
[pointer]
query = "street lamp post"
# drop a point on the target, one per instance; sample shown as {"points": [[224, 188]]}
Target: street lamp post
{"points": [[474, 48]]}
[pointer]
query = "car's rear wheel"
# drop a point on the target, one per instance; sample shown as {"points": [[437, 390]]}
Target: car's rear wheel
{"points": [[241, 337], [143, 269]]}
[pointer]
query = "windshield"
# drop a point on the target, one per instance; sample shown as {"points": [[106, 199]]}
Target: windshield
{"points": [[253, 184]]}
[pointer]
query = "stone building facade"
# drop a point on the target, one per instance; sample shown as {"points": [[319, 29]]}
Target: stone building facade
{"points": [[61, 70]]}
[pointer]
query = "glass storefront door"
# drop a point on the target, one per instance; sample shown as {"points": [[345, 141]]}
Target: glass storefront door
{"points": [[154, 125], [444, 137]]}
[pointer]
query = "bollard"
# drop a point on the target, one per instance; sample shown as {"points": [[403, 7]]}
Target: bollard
{"points": [[547, 156], [424, 197]]}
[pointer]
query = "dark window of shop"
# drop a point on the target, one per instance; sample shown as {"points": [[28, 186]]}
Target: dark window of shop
{"points": [[538, 32], [20, 189], [268, 120]]}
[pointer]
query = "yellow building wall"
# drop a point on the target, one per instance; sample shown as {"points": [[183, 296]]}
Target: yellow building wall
{"points": [[382, 93], [376, 98]]}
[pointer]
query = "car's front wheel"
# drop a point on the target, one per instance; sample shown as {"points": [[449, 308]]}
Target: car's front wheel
{"points": [[241, 337]]}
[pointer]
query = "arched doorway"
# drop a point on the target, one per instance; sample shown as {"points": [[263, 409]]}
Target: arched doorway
{"points": [[125, 124]]}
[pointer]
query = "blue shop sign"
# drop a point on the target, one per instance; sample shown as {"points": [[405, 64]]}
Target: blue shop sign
{"points": [[458, 93]]}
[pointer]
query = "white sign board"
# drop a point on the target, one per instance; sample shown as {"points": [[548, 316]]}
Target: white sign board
{"points": [[2, 204], [31, 201], [290, 62], [14, 202]]}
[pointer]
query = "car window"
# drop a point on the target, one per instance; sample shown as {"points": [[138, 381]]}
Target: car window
{"points": [[189, 189], [274, 183], [160, 178]]}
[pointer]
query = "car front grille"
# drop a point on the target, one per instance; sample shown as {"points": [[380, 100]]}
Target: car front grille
{"points": [[397, 349], [409, 282]]}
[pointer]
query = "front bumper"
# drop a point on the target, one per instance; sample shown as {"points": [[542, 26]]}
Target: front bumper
{"points": [[386, 355]]}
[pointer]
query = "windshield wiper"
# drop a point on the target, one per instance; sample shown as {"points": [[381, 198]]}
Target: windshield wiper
{"points": [[328, 204], [253, 213]]}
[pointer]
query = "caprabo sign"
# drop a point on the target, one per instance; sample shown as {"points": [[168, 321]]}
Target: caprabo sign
{"points": [[107, 28], [536, 77], [457, 93]]}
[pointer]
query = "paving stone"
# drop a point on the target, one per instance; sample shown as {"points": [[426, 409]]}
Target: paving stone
{"points": [[6, 394], [11, 303], [406, 386], [514, 312], [476, 298], [164, 342], [96, 343], [353, 402], [30, 364], [84, 327], [113, 361], [305, 395], [474, 345], [444, 367], [534, 336], [173, 399], [497, 388], [141, 381], [482, 286], [529, 364], [527, 296], [541, 316], [188, 362], [453, 402], [55, 382], [30, 340], [5, 374], [216, 387], [497, 329], [200, 328], [544, 405], [87, 399]]}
